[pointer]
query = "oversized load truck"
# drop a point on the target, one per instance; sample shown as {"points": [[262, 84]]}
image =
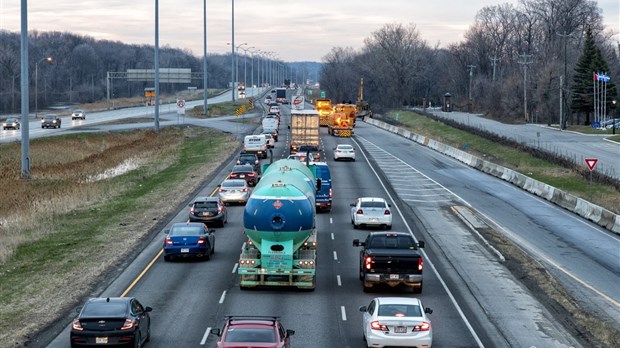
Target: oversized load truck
{"points": [[304, 129], [340, 125], [324, 107], [279, 221]]}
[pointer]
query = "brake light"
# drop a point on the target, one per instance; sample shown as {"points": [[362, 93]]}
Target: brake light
{"points": [[238, 161], [330, 192], [129, 324], [222, 190], [233, 175], [251, 174], [420, 264], [202, 240], [368, 262], [255, 161], [359, 212], [244, 190], [375, 325], [169, 240], [387, 212], [425, 326], [76, 325]]}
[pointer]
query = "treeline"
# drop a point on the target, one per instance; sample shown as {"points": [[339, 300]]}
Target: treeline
{"points": [[486, 72], [79, 67]]}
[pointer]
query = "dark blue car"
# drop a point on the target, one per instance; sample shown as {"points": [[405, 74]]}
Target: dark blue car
{"points": [[324, 195], [189, 239]]}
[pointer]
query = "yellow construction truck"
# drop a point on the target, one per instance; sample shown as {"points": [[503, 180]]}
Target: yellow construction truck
{"points": [[342, 120], [324, 107]]}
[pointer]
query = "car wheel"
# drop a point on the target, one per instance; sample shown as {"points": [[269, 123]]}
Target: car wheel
{"points": [[361, 275], [207, 256], [355, 227]]}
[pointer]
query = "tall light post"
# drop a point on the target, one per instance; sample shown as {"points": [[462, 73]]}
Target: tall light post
{"points": [[245, 60], [36, 84], [204, 45], [235, 64], [252, 69]]}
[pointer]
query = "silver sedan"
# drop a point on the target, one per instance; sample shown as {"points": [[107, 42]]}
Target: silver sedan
{"points": [[234, 191]]}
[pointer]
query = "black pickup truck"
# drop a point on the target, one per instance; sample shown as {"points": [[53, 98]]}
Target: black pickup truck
{"points": [[390, 258]]}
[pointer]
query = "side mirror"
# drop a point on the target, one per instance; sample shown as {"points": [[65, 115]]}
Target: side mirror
{"points": [[290, 332], [421, 244], [428, 310], [211, 231], [363, 309], [166, 231], [215, 331], [389, 205], [356, 242], [148, 309]]}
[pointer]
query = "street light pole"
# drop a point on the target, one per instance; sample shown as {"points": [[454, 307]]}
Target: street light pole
{"points": [[204, 45], [245, 60], [36, 85], [232, 65]]}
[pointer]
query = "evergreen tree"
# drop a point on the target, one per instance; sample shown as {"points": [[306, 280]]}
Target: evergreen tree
{"points": [[590, 62]]}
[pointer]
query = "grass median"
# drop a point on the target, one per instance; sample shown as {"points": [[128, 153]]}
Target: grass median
{"points": [[557, 176], [89, 207]]}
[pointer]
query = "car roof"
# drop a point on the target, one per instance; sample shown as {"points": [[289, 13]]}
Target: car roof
{"points": [[207, 199], [348, 145], [99, 302], [372, 199], [242, 166], [51, 115], [397, 300]]}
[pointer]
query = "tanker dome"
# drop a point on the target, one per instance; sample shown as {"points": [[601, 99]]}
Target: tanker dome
{"points": [[282, 205]]}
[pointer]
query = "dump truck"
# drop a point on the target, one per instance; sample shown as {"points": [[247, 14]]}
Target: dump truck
{"points": [[340, 125], [362, 107], [279, 221], [304, 129], [324, 107]]}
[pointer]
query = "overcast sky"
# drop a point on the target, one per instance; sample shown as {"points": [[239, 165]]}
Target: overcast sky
{"points": [[296, 30]]}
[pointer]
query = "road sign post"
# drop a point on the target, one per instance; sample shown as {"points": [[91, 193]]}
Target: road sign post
{"points": [[591, 163]]}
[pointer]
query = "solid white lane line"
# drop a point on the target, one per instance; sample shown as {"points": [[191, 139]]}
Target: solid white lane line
{"points": [[335, 256], [344, 314], [339, 281], [234, 270], [223, 297], [205, 336]]}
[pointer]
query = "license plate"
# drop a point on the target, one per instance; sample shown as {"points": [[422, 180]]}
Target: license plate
{"points": [[393, 276], [101, 340], [242, 176], [374, 219], [185, 250], [206, 213], [400, 329]]}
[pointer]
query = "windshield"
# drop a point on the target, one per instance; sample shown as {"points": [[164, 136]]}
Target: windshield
{"points": [[104, 309], [399, 310], [186, 231]]}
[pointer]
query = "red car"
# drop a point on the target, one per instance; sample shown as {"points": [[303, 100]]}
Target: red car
{"points": [[253, 331]]}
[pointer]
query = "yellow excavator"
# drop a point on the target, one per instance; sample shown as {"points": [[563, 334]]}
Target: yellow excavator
{"points": [[362, 107]]}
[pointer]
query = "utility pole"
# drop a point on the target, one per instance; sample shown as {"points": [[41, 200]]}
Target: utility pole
{"points": [[565, 36], [471, 75], [525, 61], [494, 63]]}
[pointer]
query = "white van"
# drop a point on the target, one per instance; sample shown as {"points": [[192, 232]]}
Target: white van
{"points": [[256, 144]]}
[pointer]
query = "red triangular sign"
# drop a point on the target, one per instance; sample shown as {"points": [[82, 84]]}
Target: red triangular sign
{"points": [[591, 162]]}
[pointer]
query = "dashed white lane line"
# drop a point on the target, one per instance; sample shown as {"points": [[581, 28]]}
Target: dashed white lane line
{"points": [[205, 336], [344, 313], [234, 270], [332, 235], [223, 297], [339, 280], [331, 220], [335, 256]]}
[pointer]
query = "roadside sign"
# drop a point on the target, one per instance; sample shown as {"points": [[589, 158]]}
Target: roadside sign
{"points": [[591, 163], [181, 106], [322, 94], [298, 102]]}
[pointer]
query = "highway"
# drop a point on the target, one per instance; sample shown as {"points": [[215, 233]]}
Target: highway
{"points": [[477, 302]]}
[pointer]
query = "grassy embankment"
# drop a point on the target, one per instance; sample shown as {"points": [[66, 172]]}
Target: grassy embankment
{"points": [[554, 175], [62, 231]]}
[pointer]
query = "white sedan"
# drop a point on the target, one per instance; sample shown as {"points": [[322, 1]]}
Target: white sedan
{"points": [[344, 151], [371, 211], [397, 322]]}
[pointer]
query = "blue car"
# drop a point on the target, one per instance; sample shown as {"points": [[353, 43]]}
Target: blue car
{"points": [[189, 239]]}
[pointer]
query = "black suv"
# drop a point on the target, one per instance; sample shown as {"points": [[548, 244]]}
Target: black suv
{"points": [[249, 158], [50, 120], [207, 210]]}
